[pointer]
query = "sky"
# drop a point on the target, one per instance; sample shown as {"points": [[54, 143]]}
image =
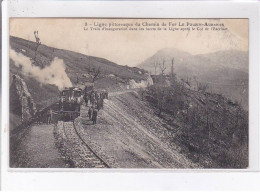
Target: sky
{"points": [[131, 47]]}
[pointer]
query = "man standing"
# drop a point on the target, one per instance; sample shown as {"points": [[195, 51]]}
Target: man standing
{"points": [[96, 95], [37, 117], [106, 94], [86, 99], [92, 98], [90, 110], [98, 103], [101, 103], [94, 116], [49, 115]]}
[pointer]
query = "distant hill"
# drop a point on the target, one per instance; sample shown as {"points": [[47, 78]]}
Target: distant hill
{"points": [[231, 59], [225, 72], [77, 68]]}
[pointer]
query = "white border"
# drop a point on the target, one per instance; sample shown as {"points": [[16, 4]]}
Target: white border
{"points": [[136, 179]]}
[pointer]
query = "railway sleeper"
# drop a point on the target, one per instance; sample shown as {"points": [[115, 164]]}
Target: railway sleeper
{"points": [[75, 149]]}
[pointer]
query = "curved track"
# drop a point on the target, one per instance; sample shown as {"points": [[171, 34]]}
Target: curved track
{"points": [[82, 152]]}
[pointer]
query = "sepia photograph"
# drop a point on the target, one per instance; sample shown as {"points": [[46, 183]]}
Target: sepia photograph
{"points": [[127, 93]]}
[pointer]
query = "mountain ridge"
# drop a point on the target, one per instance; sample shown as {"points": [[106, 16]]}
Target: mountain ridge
{"points": [[223, 68]]}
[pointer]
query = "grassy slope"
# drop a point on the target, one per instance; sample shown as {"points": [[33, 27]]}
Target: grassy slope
{"points": [[76, 65]]}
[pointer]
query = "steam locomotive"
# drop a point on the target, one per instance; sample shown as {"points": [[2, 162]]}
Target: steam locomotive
{"points": [[69, 103], [72, 98]]}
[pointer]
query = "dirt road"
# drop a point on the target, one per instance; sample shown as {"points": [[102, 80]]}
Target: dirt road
{"points": [[129, 135], [37, 149]]}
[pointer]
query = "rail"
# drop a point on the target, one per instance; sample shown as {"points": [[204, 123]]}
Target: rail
{"points": [[92, 156]]}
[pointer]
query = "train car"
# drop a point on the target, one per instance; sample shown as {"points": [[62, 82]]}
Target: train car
{"points": [[70, 101]]}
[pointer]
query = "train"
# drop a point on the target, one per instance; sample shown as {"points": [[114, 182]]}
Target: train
{"points": [[72, 98], [69, 103]]}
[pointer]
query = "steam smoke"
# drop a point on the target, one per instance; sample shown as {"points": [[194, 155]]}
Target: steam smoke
{"points": [[54, 74]]}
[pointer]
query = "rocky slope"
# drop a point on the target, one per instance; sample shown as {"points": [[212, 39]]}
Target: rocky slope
{"points": [[22, 106]]}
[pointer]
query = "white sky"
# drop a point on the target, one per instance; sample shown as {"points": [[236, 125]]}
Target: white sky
{"points": [[130, 47]]}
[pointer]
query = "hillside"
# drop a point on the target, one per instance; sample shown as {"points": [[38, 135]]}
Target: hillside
{"points": [[56, 68], [210, 129], [224, 72]]}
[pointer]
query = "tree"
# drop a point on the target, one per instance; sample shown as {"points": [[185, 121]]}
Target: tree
{"points": [[162, 67], [38, 43], [161, 89], [202, 87], [93, 72], [88, 57], [96, 74], [160, 95]]}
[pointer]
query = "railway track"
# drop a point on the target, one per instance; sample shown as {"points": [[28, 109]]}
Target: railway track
{"points": [[79, 151]]}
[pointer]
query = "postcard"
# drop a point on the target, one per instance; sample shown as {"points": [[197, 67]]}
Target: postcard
{"points": [[129, 93]]}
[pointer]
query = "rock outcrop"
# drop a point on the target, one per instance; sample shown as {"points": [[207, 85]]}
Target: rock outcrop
{"points": [[21, 101]]}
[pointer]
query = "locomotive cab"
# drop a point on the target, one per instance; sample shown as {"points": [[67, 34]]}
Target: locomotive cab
{"points": [[70, 101]]}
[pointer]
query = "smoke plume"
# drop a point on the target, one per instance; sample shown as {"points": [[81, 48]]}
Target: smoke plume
{"points": [[54, 74]]}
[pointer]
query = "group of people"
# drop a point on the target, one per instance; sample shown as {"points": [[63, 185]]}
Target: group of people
{"points": [[95, 101], [44, 117]]}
